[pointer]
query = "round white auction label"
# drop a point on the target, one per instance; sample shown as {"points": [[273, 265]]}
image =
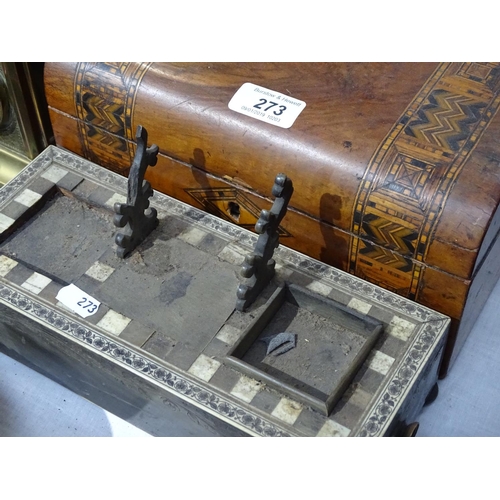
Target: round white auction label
{"points": [[266, 105]]}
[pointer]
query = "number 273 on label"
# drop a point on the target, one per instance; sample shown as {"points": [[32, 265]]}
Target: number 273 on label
{"points": [[266, 105]]}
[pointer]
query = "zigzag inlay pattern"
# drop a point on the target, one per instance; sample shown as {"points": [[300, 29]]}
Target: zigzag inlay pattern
{"points": [[391, 234], [104, 99], [106, 140], [410, 175], [446, 120], [104, 113], [386, 257]]}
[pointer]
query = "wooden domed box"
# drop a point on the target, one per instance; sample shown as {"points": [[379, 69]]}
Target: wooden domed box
{"points": [[395, 165]]}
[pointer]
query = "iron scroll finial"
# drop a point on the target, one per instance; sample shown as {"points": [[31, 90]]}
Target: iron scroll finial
{"points": [[135, 216], [259, 266]]}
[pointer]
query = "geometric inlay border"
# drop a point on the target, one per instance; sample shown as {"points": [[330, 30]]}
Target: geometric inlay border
{"points": [[105, 112], [131, 359], [210, 198], [411, 174], [429, 332]]}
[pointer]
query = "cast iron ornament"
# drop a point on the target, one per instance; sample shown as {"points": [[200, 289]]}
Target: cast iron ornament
{"points": [[135, 216], [258, 267]]}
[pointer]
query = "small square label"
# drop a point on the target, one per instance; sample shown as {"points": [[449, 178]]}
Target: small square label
{"points": [[78, 301]]}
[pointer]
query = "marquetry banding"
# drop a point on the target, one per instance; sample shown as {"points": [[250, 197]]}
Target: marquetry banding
{"points": [[406, 185], [246, 389], [114, 322], [287, 410], [99, 271], [120, 95], [204, 367], [36, 283]]}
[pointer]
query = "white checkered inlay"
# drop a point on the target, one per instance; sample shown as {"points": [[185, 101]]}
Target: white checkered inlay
{"points": [[360, 398], [380, 362], [116, 198], [284, 272], [54, 174], [333, 429], [36, 283], [400, 328], [204, 367], [193, 236], [246, 389], [6, 265], [232, 254], [287, 410], [318, 287], [28, 198], [228, 334], [359, 305], [114, 322], [100, 272], [5, 222]]}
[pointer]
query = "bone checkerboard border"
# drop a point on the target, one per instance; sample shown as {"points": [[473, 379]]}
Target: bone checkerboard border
{"points": [[376, 395]]}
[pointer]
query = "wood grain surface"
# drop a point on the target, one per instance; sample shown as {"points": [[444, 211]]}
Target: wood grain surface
{"points": [[395, 165]]}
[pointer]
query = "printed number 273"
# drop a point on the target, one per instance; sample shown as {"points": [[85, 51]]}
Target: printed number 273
{"points": [[87, 304], [271, 105]]}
